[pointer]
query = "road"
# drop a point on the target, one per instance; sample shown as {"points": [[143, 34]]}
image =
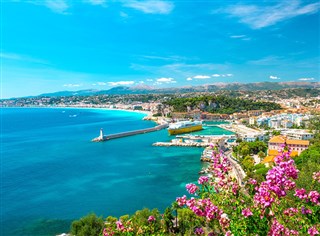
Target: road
{"points": [[237, 169]]}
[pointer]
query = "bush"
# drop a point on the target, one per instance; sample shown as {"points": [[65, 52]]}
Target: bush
{"points": [[90, 225]]}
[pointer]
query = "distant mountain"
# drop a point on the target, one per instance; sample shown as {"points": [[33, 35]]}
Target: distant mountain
{"points": [[143, 89], [87, 92]]}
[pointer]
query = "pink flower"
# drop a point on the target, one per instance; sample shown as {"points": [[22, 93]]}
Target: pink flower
{"points": [[313, 231], [314, 196], [120, 225], [301, 193], [316, 176], [252, 181], [228, 233], [108, 232], [203, 179], [290, 211], [305, 211], [151, 218], [198, 231], [191, 188], [181, 200], [246, 212]]}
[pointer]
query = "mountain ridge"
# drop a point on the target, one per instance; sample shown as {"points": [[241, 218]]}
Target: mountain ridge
{"points": [[122, 90]]}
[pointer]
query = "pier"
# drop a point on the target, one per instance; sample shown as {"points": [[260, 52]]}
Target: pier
{"points": [[103, 137], [181, 144]]}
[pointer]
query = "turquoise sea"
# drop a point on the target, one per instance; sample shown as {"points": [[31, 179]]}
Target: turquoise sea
{"points": [[52, 174]]}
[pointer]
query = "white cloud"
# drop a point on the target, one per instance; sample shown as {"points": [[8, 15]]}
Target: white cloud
{"points": [[151, 6], [149, 80], [273, 77], [57, 6], [237, 36], [166, 80], [101, 83], [201, 77], [24, 58], [141, 82], [72, 85], [263, 16], [120, 83], [189, 79], [222, 75], [306, 79], [96, 2]]}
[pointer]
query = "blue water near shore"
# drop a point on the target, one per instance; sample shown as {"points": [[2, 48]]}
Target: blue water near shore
{"points": [[52, 173]]}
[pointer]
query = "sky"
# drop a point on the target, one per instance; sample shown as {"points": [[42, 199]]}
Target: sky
{"points": [[57, 45]]}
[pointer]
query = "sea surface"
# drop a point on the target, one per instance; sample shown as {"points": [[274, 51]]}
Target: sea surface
{"points": [[51, 173]]}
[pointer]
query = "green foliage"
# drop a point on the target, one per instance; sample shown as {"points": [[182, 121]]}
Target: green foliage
{"points": [[250, 148], [90, 225], [261, 154], [276, 132], [219, 104], [187, 221], [168, 220], [140, 221], [308, 162], [248, 163], [314, 126]]}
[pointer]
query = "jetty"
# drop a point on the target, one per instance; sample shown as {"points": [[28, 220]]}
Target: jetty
{"points": [[103, 137], [181, 144]]}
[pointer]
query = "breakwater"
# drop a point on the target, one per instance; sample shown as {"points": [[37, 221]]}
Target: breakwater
{"points": [[181, 144], [103, 137]]}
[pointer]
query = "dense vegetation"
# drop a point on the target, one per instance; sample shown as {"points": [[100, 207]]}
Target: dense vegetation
{"points": [[219, 104], [244, 151]]}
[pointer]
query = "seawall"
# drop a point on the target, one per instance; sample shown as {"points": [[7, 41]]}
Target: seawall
{"points": [[129, 133]]}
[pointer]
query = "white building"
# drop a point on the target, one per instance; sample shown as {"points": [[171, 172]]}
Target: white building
{"points": [[298, 134]]}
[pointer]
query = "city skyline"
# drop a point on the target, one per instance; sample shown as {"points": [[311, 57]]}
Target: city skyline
{"points": [[50, 46]]}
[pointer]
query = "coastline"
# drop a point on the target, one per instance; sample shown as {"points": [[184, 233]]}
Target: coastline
{"points": [[147, 113]]}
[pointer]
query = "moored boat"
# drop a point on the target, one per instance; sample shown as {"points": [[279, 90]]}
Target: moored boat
{"points": [[184, 127]]}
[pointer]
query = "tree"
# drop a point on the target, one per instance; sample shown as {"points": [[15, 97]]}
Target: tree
{"points": [[261, 154], [276, 132], [90, 225], [314, 126]]}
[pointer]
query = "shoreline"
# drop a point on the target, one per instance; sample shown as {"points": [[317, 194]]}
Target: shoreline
{"points": [[147, 113]]}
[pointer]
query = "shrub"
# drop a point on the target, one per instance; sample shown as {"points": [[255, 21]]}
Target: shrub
{"points": [[90, 225]]}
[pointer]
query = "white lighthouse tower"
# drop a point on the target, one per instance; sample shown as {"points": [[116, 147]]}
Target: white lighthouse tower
{"points": [[101, 134]]}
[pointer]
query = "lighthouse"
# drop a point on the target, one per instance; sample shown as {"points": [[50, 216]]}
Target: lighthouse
{"points": [[101, 134]]}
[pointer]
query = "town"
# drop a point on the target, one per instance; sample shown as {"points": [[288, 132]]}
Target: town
{"points": [[283, 117]]}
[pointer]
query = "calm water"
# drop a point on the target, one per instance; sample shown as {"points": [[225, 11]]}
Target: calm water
{"points": [[52, 173]]}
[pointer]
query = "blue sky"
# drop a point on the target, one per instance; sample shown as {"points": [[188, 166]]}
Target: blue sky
{"points": [[57, 45]]}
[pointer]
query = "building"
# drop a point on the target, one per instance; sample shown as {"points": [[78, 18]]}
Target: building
{"points": [[210, 116], [269, 160], [298, 134], [277, 142], [255, 112], [252, 120]]}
